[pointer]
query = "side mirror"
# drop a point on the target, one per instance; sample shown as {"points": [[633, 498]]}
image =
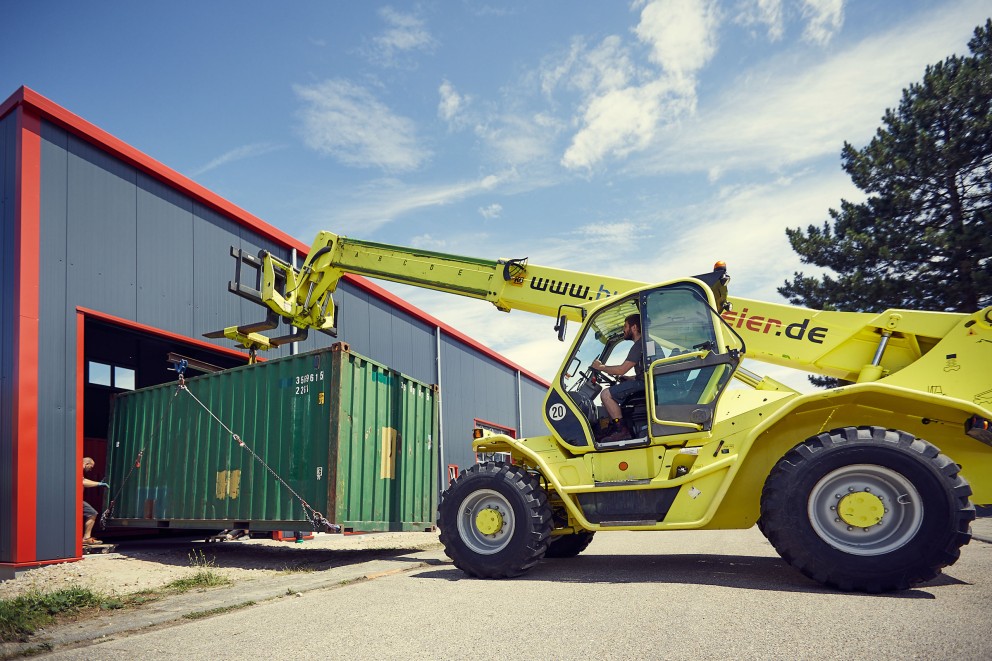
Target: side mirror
{"points": [[563, 320]]}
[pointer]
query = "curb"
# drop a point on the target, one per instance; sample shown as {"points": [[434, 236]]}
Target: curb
{"points": [[176, 609]]}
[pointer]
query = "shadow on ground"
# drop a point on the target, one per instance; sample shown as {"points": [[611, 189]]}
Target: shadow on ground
{"points": [[733, 571], [240, 555]]}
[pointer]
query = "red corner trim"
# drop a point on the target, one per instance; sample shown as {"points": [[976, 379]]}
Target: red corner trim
{"points": [[24, 428]]}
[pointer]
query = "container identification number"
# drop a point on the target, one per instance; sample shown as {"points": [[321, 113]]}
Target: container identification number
{"points": [[303, 381]]}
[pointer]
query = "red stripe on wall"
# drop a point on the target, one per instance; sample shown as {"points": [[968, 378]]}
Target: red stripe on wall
{"points": [[24, 428], [80, 385]]}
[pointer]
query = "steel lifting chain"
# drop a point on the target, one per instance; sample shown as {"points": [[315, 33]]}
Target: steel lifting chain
{"points": [[316, 519]]}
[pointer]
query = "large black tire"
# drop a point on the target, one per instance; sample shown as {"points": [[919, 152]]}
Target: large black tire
{"points": [[495, 520], [570, 545], [867, 509]]}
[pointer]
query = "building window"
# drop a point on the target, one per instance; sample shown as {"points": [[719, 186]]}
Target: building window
{"points": [[100, 374], [123, 378], [111, 376]]}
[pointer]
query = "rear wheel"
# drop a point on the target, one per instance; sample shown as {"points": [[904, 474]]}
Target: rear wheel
{"points": [[495, 520], [570, 545], [867, 509]]}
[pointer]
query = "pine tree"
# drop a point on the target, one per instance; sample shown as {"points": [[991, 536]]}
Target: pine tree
{"points": [[923, 237]]}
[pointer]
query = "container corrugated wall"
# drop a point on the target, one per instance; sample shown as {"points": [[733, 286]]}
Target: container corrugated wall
{"points": [[354, 439]]}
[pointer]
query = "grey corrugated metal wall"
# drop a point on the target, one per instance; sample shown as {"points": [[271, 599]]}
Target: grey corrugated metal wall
{"points": [[531, 405], [375, 329], [473, 386], [7, 179], [117, 241]]}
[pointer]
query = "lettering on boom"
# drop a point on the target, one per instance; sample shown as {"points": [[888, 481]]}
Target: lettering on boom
{"points": [[765, 325], [572, 290]]}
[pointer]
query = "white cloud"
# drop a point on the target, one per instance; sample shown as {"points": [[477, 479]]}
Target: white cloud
{"points": [[680, 33], [763, 12], [238, 154], [348, 122], [824, 18], [620, 115], [384, 201], [606, 67], [452, 104], [404, 33], [786, 112], [491, 211], [615, 123], [516, 140], [553, 73]]}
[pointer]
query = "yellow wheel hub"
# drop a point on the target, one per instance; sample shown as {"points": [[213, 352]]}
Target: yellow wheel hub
{"points": [[489, 521], [861, 509]]}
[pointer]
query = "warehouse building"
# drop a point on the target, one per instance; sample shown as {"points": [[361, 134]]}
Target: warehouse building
{"points": [[112, 263]]}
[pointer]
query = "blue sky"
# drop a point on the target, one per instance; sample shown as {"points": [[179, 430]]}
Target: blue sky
{"points": [[642, 139]]}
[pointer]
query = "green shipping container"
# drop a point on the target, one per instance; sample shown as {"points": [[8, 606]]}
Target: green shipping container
{"points": [[354, 440]]}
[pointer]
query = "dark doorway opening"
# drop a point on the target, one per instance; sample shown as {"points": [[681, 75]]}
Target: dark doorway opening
{"points": [[118, 359]]}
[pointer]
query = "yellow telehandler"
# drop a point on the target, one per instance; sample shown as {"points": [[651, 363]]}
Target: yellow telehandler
{"points": [[868, 486]]}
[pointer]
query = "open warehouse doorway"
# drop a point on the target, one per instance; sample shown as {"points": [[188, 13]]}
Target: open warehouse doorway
{"points": [[118, 356]]}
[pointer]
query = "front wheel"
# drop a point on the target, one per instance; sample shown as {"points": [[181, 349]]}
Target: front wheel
{"points": [[495, 520], [867, 509]]}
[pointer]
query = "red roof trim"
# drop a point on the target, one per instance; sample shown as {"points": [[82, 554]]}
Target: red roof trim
{"points": [[57, 114]]}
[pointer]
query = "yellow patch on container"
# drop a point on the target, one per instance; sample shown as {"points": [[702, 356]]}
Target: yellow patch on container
{"points": [[387, 458], [228, 484]]}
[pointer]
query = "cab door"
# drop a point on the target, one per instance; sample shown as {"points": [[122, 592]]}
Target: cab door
{"points": [[689, 364]]}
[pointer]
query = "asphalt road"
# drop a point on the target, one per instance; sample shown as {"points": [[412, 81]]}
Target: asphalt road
{"points": [[687, 595]]}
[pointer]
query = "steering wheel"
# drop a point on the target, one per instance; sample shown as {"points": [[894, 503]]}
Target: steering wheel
{"points": [[603, 377]]}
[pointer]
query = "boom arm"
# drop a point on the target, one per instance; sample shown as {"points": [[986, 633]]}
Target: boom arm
{"points": [[854, 346], [847, 345], [304, 297]]}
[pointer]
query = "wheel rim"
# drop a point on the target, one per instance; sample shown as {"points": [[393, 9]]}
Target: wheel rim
{"points": [[485, 521], [864, 509]]}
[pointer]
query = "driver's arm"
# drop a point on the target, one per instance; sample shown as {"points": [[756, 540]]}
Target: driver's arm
{"points": [[613, 370]]}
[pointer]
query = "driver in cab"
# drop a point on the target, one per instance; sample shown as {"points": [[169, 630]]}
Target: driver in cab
{"points": [[626, 386]]}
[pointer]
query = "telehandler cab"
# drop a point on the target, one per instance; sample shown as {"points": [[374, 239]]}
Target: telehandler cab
{"points": [[868, 486]]}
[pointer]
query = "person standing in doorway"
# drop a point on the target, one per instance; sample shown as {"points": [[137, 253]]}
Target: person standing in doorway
{"points": [[89, 513]]}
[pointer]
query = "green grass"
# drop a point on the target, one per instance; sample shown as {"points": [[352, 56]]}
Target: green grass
{"points": [[201, 579], [204, 578], [22, 616]]}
